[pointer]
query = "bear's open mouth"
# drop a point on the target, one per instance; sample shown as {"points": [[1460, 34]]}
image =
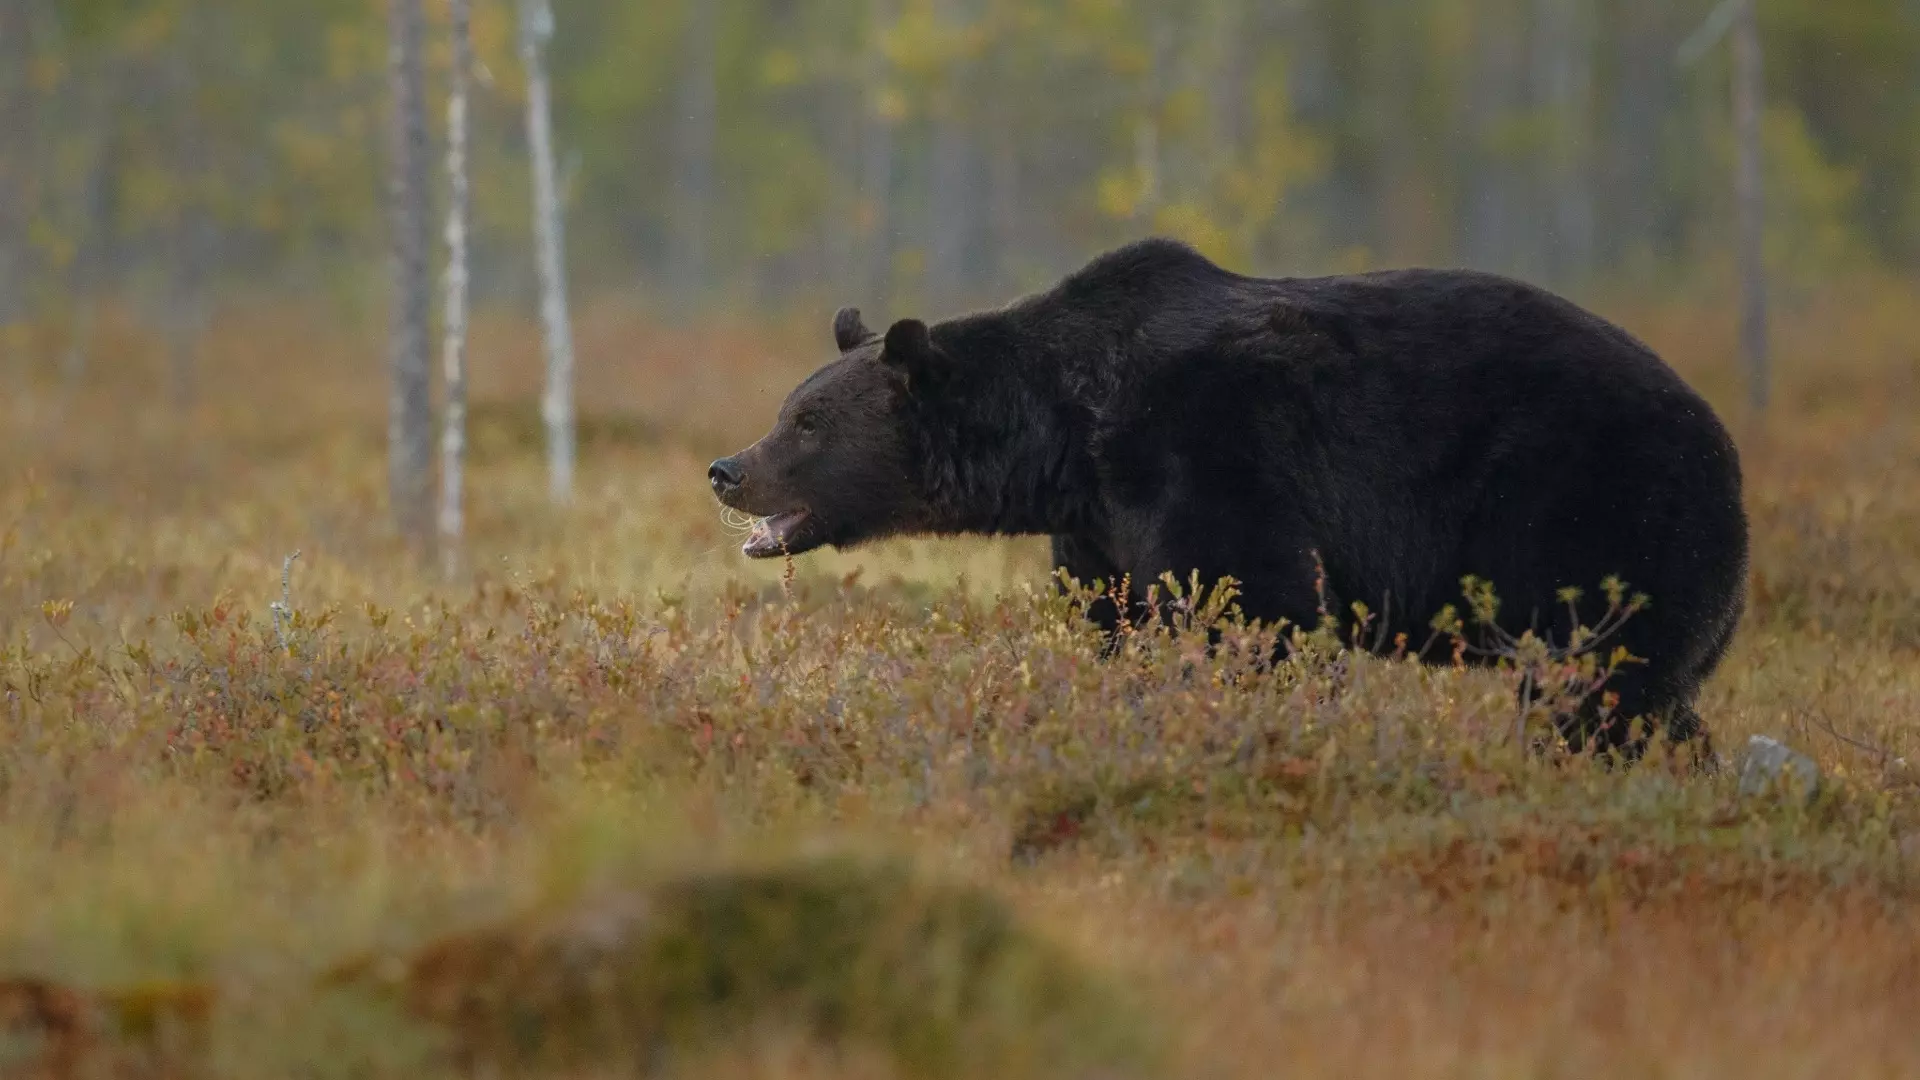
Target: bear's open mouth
{"points": [[778, 534]]}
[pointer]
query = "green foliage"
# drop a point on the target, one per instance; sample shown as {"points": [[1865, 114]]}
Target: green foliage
{"points": [[942, 978], [1315, 135]]}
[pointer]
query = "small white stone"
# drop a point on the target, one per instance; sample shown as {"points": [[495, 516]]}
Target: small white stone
{"points": [[1768, 761]]}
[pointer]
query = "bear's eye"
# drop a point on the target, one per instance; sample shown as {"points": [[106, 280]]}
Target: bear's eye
{"points": [[806, 425]]}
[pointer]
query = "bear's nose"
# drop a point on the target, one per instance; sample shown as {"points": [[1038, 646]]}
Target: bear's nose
{"points": [[725, 475]]}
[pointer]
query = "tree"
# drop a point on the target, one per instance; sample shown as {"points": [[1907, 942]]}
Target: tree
{"points": [[1550, 137], [1751, 197], [453, 433], [1563, 70], [556, 408], [1740, 20], [16, 124], [409, 404]]}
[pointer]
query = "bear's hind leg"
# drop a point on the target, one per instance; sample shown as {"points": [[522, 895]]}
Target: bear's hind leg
{"points": [[1639, 715]]}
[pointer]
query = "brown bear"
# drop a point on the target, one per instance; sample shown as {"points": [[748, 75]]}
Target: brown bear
{"points": [[1375, 437]]}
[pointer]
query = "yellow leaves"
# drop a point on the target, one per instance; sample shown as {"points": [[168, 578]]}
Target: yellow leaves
{"points": [[923, 43], [150, 29], [1192, 222], [890, 103], [781, 68], [1119, 193], [57, 613], [494, 29], [1183, 114], [1811, 230], [1223, 191], [304, 150], [353, 51], [1130, 58]]}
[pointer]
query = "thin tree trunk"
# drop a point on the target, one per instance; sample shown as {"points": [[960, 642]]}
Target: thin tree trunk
{"points": [[1631, 170], [1231, 85], [1237, 34], [191, 238], [453, 356], [1495, 180], [694, 135], [409, 406], [1146, 128], [1749, 193], [1323, 71], [16, 125], [1394, 147], [93, 254], [845, 107], [556, 407], [949, 210]]}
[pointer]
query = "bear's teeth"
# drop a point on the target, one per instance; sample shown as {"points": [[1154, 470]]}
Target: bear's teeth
{"points": [[770, 535]]}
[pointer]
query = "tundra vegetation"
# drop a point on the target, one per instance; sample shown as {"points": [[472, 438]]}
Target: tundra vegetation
{"points": [[619, 799]]}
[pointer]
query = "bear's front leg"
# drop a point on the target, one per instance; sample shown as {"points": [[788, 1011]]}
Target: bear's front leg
{"points": [[1085, 562], [1274, 581]]}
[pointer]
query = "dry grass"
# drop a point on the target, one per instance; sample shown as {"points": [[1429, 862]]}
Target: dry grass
{"points": [[1345, 867]]}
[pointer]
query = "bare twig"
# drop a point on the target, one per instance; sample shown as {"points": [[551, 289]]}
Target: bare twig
{"points": [[283, 608], [1708, 34], [1880, 754]]}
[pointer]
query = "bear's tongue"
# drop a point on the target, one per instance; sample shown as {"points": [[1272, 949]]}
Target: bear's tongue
{"points": [[773, 535]]}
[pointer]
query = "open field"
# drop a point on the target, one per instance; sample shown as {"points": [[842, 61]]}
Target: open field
{"points": [[1166, 864]]}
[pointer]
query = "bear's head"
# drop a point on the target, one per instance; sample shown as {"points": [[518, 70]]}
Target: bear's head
{"points": [[839, 466]]}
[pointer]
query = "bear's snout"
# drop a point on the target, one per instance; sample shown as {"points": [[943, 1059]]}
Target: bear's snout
{"points": [[726, 476]]}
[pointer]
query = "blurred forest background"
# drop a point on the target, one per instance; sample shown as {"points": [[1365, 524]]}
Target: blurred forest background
{"points": [[934, 153], [244, 738]]}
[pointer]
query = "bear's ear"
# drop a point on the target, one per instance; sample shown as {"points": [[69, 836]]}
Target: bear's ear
{"points": [[909, 348], [848, 331]]}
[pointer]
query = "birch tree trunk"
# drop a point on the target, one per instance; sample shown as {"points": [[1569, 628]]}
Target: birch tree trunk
{"points": [[556, 407], [409, 406], [1749, 194], [453, 353]]}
